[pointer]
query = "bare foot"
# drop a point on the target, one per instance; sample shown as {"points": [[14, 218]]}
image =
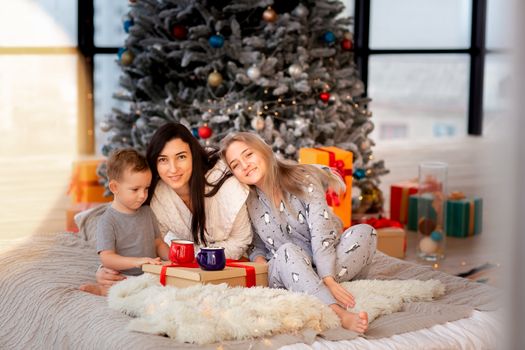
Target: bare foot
{"points": [[352, 321], [94, 288]]}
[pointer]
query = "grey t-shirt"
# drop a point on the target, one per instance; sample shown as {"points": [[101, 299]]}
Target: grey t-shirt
{"points": [[130, 235]]}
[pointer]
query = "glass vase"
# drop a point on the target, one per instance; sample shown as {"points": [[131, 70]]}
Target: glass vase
{"points": [[432, 189]]}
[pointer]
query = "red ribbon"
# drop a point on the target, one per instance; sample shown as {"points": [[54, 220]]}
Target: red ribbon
{"points": [[382, 223], [336, 164], [250, 270], [332, 199]]}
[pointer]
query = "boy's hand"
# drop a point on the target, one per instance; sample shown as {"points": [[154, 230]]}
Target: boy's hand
{"points": [[344, 297], [153, 261], [108, 277], [260, 259]]}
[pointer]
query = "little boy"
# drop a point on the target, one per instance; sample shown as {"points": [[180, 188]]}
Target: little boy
{"points": [[127, 233]]}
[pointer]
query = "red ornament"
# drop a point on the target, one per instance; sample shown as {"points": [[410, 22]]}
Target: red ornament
{"points": [[324, 96], [179, 32], [205, 131], [346, 44]]}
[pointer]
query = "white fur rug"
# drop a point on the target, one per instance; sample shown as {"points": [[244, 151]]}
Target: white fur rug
{"points": [[205, 314]]}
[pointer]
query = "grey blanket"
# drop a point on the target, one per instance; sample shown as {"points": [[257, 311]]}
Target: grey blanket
{"points": [[41, 306]]}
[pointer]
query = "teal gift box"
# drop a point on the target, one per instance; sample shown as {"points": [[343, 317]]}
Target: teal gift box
{"points": [[413, 203], [464, 217]]}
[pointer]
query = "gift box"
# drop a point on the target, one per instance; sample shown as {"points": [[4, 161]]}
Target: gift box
{"points": [[340, 161], [392, 241], [399, 196], [84, 185], [464, 217], [72, 210], [414, 201], [188, 276]]}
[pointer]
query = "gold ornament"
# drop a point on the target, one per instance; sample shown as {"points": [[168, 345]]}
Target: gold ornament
{"points": [[214, 79], [127, 58], [269, 15]]}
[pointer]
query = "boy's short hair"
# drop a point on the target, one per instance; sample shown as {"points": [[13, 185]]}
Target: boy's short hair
{"points": [[122, 159]]}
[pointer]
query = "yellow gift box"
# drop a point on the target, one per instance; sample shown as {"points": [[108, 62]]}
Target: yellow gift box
{"points": [[84, 185], [341, 161]]}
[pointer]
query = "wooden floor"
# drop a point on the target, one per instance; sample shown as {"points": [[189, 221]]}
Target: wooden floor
{"points": [[33, 193]]}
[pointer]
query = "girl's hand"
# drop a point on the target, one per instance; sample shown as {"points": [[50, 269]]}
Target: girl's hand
{"points": [[344, 297], [108, 277], [260, 259]]}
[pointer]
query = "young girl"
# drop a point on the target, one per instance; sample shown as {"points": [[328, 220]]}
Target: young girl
{"points": [[295, 230]]}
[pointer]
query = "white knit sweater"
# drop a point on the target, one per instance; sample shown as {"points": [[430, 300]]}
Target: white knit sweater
{"points": [[227, 221]]}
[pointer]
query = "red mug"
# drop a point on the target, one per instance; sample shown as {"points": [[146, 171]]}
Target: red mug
{"points": [[181, 251]]}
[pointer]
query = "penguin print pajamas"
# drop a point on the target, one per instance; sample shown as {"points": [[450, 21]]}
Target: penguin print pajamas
{"points": [[302, 243]]}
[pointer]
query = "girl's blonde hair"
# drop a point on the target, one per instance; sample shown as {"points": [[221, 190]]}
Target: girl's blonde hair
{"points": [[284, 175]]}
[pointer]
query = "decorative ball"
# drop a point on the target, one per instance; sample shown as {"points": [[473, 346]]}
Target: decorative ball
{"points": [[216, 41], [329, 37], [257, 123], [295, 71], [127, 24], [426, 226], [195, 132], [253, 73], [269, 15], [347, 35], [132, 1], [141, 123], [104, 126], [324, 96], [126, 58], [205, 131], [346, 44], [300, 11], [179, 32], [359, 173], [214, 79], [428, 246], [436, 236]]}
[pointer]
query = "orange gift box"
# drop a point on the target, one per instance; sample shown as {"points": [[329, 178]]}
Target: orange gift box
{"points": [[341, 161], [84, 185], [399, 193], [74, 209]]}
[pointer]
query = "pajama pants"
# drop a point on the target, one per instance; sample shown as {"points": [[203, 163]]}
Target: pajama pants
{"points": [[354, 250]]}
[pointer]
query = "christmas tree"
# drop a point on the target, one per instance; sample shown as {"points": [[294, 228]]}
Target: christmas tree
{"points": [[284, 69]]}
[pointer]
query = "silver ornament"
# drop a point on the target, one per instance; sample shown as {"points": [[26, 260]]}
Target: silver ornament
{"points": [[104, 126], [253, 73], [257, 123], [295, 71], [300, 11]]}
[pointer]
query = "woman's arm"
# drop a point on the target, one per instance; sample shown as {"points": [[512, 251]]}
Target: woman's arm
{"points": [[240, 236]]}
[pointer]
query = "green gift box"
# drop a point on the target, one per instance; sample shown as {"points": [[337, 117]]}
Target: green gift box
{"points": [[413, 204], [464, 217]]}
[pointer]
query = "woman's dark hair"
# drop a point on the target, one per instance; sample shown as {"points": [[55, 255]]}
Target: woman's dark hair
{"points": [[202, 162]]}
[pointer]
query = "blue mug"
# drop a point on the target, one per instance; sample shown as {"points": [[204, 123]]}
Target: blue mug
{"points": [[211, 259]]}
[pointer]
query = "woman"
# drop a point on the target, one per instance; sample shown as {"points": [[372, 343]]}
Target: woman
{"points": [[191, 197], [295, 230]]}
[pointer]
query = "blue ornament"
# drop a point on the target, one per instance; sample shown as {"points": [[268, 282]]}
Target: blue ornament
{"points": [[127, 24], [195, 132], [329, 37], [436, 236], [359, 174], [120, 52], [216, 41]]}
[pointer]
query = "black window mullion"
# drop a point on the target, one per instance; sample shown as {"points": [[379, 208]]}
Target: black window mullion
{"points": [[362, 39], [477, 67]]}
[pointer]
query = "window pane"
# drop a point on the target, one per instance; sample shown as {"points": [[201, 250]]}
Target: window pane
{"points": [[349, 8], [499, 24], [38, 23], [418, 96], [420, 24], [497, 85], [109, 22], [106, 77], [38, 101]]}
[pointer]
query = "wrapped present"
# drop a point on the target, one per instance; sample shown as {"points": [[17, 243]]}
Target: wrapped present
{"points": [[399, 193], [341, 162], [84, 186], [463, 216], [392, 241], [245, 274], [414, 218], [72, 210]]}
